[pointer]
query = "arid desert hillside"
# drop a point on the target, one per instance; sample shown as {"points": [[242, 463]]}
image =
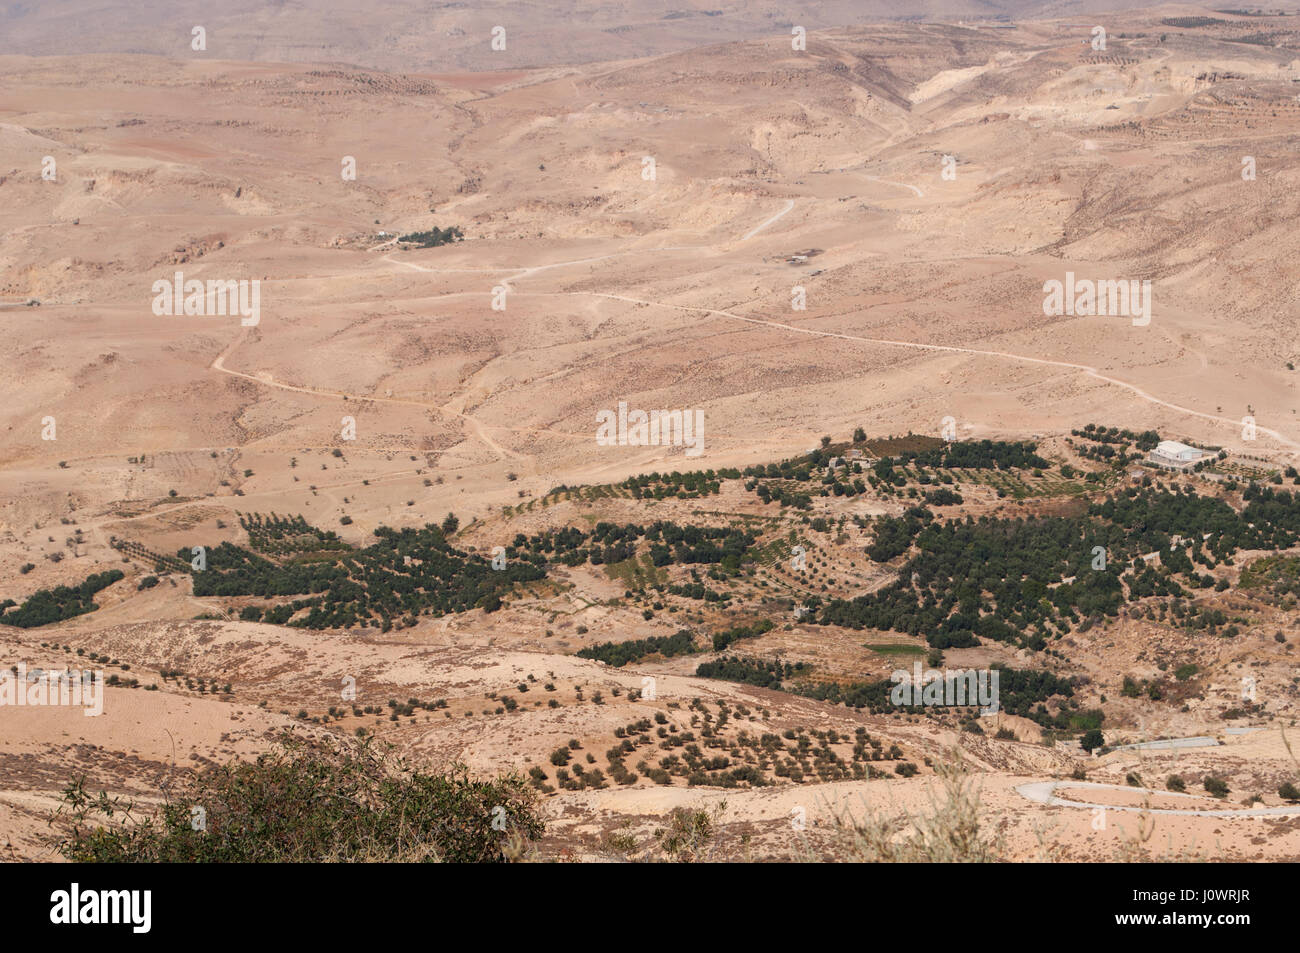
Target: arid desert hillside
{"points": [[380, 466]]}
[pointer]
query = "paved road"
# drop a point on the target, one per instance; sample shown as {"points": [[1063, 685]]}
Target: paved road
{"points": [[1201, 741], [1044, 792]]}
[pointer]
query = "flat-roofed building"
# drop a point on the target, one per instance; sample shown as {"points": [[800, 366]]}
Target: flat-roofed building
{"points": [[1173, 455]]}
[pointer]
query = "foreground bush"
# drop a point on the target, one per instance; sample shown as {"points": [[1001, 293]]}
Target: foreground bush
{"points": [[309, 802]]}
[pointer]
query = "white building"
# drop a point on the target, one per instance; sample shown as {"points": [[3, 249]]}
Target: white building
{"points": [[1175, 456]]}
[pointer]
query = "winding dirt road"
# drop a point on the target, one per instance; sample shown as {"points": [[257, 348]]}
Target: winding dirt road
{"points": [[480, 430]]}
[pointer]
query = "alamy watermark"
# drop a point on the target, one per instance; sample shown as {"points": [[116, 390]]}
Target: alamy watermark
{"points": [[41, 689], [949, 687], [75, 906], [193, 297], [656, 428], [1103, 296]]}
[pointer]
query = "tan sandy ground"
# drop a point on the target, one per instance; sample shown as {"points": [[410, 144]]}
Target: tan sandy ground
{"points": [[924, 301]]}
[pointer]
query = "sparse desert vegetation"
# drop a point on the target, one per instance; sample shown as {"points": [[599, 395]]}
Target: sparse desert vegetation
{"points": [[677, 387]]}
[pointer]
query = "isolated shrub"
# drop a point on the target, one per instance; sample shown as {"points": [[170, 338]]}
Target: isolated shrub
{"points": [[1216, 785], [687, 836]]}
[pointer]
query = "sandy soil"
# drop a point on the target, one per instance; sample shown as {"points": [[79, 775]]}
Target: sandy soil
{"points": [[774, 171]]}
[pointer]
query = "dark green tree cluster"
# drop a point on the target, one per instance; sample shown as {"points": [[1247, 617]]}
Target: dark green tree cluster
{"points": [[872, 695], [611, 543], [410, 572], [690, 485], [235, 571], [894, 535], [619, 654], [433, 237], [280, 535], [55, 605], [1146, 440], [687, 545], [779, 482], [723, 640], [1009, 580], [1021, 692], [994, 578], [976, 455], [783, 494], [765, 673], [697, 590]]}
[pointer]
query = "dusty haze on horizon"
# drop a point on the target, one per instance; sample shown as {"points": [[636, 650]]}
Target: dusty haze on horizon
{"points": [[423, 36]]}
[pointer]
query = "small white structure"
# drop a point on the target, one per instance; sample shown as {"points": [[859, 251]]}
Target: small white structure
{"points": [[1173, 455]]}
